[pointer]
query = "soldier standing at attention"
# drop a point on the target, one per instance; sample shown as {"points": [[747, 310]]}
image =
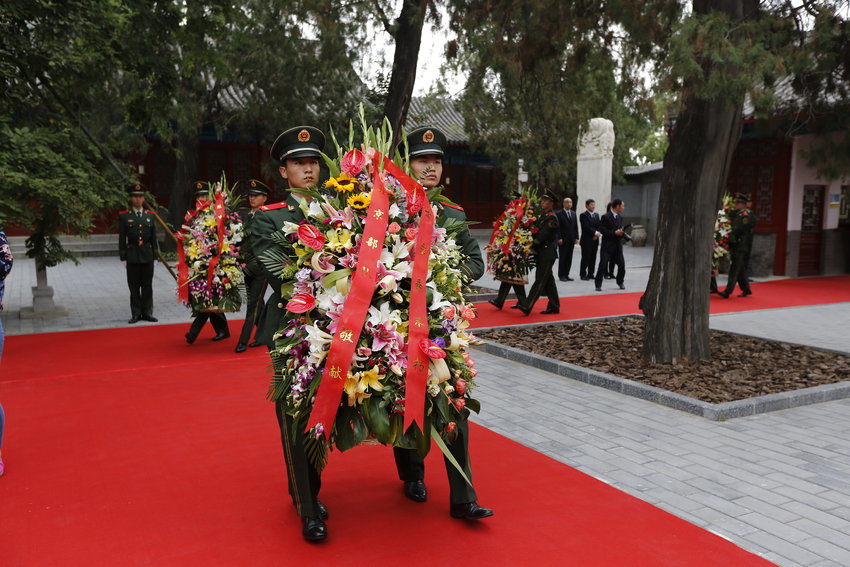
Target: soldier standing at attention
{"points": [[545, 248], [137, 247], [255, 279], [298, 149], [741, 241], [426, 147], [218, 320]]}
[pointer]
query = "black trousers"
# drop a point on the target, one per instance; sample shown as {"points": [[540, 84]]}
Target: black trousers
{"points": [[303, 478], [615, 256], [565, 259], [255, 290], [140, 282], [505, 288], [411, 466], [544, 283], [588, 259], [737, 271], [218, 321]]}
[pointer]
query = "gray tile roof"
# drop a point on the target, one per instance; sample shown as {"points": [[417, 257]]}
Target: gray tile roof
{"points": [[440, 113]]}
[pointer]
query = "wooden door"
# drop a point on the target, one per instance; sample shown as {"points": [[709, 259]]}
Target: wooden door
{"points": [[811, 231]]}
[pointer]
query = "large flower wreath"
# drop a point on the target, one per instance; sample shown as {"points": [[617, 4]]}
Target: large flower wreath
{"points": [[375, 337], [509, 256], [208, 272]]}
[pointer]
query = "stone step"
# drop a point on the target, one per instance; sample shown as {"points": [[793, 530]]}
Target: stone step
{"points": [[92, 245]]}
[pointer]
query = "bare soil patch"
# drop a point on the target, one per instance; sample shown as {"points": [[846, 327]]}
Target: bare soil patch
{"points": [[741, 367]]}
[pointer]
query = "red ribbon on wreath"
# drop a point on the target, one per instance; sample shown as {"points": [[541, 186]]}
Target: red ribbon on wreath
{"points": [[358, 301]]}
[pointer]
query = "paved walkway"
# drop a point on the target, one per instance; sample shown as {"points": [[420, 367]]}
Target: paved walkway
{"points": [[777, 484]]}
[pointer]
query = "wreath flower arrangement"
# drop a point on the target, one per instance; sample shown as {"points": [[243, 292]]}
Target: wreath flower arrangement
{"points": [[376, 336], [509, 255], [208, 271], [722, 231]]}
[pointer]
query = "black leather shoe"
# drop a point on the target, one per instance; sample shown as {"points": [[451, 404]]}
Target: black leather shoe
{"points": [[134, 319], [470, 511], [598, 289], [607, 277], [494, 303], [313, 529], [190, 338], [584, 279], [549, 311], [416, 491], [221, 336], [525, 311], [241, 347], [621, 286], [569, 279], [516, 306], [150, 318], [723, 294], [745, 294], [323, 511], [565, 279], [255, 344]]}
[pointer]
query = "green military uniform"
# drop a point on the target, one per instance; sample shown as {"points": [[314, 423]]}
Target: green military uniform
{"points": [[741, 242], [303, 478], [545, 249], [410, 465], [137, 245], [255, 277]]}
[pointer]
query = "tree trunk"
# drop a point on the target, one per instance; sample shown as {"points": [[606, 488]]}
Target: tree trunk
{"points": [[706, 133], [408, 38], [185, 174]]}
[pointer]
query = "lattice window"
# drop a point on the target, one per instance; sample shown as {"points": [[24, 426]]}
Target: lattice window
{"points": [[763, 198]]}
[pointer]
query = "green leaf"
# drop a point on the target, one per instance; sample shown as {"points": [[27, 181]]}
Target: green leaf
{"points": [[442, 445]]}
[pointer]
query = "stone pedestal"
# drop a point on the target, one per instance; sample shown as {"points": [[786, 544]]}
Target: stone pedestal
{"points": [[595, 158], [43, 305]]}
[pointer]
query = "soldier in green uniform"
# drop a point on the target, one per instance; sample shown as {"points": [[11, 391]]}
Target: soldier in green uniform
{"points": [[137, 246], [426, 147], [217, 320], [545, 248], [298, 150], [255, 279], [741, 243]]}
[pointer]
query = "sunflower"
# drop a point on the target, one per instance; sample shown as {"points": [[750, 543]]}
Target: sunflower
{"points": [[342, 184], [359, 201]]}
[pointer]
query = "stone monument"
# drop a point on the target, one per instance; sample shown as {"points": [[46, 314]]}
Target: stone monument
{"points": [[595, 158]]}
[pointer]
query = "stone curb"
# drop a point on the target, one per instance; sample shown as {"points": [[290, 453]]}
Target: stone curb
{"points": [[716, 412]]}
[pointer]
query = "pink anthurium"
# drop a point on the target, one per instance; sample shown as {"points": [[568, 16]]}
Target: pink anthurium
{"points": [[353, 162], [431, 349], [301, 303]]}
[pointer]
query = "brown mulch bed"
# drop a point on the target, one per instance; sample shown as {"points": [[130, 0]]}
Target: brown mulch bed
{"points": [[741, 367]]}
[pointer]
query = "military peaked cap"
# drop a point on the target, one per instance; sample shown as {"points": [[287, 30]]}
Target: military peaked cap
{"points": [[256, 187], [547, 194], [301, 141], [202, 187], [136, 189], [426, 141]]}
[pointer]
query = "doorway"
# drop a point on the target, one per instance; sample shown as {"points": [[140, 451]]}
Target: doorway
{"points": [[811, 230]]}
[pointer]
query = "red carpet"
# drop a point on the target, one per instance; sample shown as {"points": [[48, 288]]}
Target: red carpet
{"points": [[766, 295], [127, 447]]}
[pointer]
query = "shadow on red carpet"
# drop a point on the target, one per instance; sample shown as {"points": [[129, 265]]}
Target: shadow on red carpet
{"points": [[775, 294]]}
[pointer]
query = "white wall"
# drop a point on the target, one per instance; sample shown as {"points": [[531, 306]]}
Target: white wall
{"points": [[802, 175]]}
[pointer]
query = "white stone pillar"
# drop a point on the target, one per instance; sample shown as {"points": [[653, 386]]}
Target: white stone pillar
{"points": [[595, 158]]}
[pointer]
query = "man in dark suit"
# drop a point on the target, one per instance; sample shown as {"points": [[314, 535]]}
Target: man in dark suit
{"points": [[545, 248], [589, 240], [255, 279], [137, 246], [611, 227], [567, 239]]}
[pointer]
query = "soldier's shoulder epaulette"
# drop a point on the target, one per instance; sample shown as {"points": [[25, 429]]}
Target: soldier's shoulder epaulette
{"points": [[745, 213], [273, 206], [124, 212], [452, 206], [150, 212]]}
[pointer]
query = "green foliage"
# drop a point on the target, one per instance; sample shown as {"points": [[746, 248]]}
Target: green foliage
{"points": [[539, 70], [49, 185]]}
